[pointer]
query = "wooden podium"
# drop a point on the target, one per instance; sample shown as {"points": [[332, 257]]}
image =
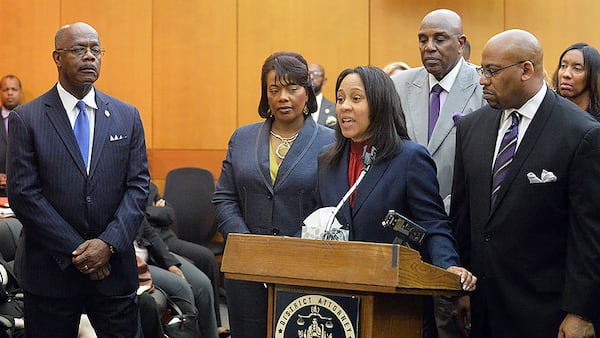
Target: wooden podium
{"points": [[390, 280]]}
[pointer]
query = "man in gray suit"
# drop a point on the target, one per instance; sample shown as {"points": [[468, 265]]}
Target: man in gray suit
{"points": [[325, 114], [441, 42], [78, 182]]}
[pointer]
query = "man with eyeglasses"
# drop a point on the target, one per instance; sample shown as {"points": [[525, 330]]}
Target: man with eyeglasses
{"points": [[78, 182], [325, 114], [525, 200], [431, 95]]}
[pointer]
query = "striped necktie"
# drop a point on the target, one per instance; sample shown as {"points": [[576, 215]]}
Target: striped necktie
{"points": [[505, 155]]}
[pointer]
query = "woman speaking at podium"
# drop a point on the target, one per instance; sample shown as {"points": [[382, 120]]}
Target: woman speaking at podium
{"points": [[401, 174], [268, 179]]}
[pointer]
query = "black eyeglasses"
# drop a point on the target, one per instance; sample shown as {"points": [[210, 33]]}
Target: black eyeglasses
{"points": [[489, 73], [80, 51]]}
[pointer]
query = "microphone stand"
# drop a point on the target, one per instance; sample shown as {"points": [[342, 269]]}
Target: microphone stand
{"points": [[368, 159]]}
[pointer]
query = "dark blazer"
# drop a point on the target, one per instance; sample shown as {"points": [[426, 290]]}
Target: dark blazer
{"points": [[327, 116], [149, 238], [245, 199], [406, 183], [61, 206], [3, 144], [536, 252]]}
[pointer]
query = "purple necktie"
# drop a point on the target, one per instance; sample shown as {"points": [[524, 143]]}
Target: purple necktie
{"points": [[6, 124], [82, 132], [434, 108], [505, 155]]}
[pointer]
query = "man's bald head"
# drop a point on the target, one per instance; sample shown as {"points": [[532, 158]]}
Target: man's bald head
{"points": [[518, 45], [70, 29], [444, 18], [441, 41], [514, 58]]}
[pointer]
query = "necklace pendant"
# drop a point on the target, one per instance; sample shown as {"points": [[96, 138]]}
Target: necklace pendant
{"points": [[282, 150]]}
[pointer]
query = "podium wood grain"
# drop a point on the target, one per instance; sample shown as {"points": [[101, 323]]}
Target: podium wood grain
{"points": [[391, 280]]}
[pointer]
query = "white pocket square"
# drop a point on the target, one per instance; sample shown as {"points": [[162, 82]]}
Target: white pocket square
{"points": [[117, 137], [546, 177]]}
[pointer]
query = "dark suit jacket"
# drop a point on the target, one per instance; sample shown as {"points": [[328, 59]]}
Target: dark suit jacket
{"points": [[406, 183], [149, 238], [327, 116], [3, 144], [536, 253], [61, 206], [245, 199]]}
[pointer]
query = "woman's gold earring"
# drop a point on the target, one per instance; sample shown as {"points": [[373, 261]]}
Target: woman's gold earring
{"points": [[269, 112], [305, 110]]}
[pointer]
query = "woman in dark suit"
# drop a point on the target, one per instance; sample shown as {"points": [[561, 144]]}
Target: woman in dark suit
{"points": [[402, 176], [268, 179]]}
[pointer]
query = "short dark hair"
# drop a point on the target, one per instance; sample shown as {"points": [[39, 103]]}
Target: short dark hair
{"points": [[591, 64], [10, 76], [290, 68], [387, 127], [467, 50]]}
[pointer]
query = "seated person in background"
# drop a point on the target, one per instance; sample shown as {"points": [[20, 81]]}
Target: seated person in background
{"points": [[174, 274], [12, 323], [161, 216], [149, 313]]}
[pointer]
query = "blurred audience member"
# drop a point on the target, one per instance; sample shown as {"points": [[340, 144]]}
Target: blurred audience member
{"points": [[325, 114], [10, 95], [395, 68], [467, 51], [578, 77], [162, 216], [177, 277]]}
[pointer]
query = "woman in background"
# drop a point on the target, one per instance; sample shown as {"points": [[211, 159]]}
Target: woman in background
{"points": [[268, 179], [402, 176], [395, 68], [577, 77]]}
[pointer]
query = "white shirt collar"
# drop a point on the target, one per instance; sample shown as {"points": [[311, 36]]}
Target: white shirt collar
{"points": [[5, 112], [531, 106], [319, 98], [448, 80], [69, 101]]}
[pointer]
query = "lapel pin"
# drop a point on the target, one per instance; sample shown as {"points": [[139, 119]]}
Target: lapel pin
{"points": [[106, 113]]}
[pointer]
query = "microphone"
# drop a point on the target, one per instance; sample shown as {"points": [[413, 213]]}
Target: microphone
{"points": [[336, 234], [408, 233]]}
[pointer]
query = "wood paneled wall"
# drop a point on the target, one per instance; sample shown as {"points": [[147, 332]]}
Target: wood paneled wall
{"points": [[192, 67]]}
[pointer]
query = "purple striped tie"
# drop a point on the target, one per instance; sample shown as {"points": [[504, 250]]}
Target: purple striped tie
{"points": [[434, 108], [505, 155]]}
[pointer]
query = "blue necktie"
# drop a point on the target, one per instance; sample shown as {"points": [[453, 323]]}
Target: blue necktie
{"points": [[434, 108], [82, 132], [508, 145]]}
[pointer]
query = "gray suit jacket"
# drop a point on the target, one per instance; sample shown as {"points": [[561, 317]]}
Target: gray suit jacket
{"points": [[464, 97], [327, 116]]}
